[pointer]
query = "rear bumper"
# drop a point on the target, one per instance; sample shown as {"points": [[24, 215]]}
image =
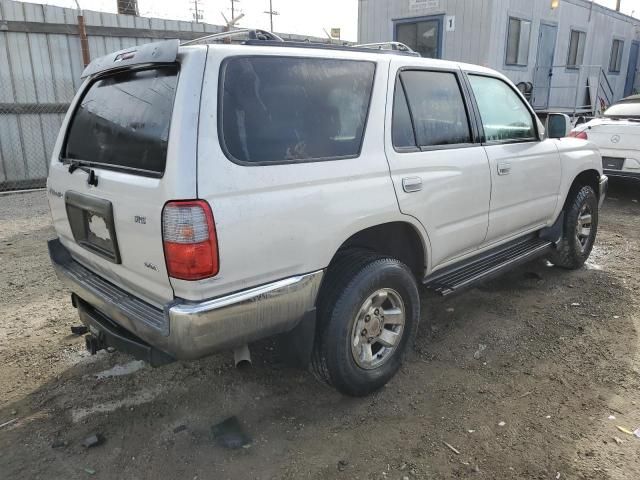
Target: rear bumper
{"points": [[188, 330], [603, 187]]}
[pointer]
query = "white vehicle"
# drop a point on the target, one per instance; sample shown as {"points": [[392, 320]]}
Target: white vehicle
{"points": [[617, 135], [209, 195]]}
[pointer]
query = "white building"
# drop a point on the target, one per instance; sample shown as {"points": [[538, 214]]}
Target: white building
{"points": [[572, 55]]}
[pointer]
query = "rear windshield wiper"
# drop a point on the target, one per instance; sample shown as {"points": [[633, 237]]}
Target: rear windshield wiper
{"points": [[77, 165]]}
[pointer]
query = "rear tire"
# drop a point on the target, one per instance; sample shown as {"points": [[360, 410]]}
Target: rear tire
{"points": [[579, 230], [368, 313]]}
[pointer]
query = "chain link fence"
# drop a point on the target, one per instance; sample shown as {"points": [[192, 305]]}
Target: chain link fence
{"points": [[28, 131]]}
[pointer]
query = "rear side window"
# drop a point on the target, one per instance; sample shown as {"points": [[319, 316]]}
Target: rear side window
{"points": [[123, 121], [284, 109], [436, 107]]}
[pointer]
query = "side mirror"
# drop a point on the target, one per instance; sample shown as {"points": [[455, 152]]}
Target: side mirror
{"points": [[558, 125]]}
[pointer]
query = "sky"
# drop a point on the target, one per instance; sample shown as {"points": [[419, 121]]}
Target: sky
{"points": [[306, 17]]}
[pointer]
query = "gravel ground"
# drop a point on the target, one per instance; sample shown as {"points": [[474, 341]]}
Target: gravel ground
{"points": [[520, 378]]}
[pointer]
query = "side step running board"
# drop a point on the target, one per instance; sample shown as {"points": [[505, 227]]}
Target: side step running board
{"points": [[486, 265]]}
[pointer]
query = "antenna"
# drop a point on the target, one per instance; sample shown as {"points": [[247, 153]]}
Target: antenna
{"points": [[271, 12]]}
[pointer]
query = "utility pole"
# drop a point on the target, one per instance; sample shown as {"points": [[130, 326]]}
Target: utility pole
{"points": [[618, 5], [233, 9], [197, 14], [271, 12]]}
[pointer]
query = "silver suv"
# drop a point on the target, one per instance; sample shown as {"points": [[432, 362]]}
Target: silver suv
{"points": [[209, 195]]}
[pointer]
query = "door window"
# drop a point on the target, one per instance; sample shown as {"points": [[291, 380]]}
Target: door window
{"points": [[423, 36], [505, 117], [436, 110]]}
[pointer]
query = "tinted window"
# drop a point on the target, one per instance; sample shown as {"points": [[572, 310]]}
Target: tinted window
{"points": [[401, 127], [123, 121], [615, 62], [437, 108], [277, 109], [504, 115], [518, 35], [576, 48], [423, 37]]}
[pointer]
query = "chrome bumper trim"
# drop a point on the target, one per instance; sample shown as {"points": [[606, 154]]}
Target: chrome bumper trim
{"points": [[603, 187], [194, 329]]}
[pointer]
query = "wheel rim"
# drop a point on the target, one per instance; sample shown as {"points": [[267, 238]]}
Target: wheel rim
{"points": [[583, 227], [377, 328]]}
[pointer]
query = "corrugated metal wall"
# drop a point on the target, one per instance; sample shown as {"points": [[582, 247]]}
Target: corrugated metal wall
{"points": [[481, 31], [40, 67]]}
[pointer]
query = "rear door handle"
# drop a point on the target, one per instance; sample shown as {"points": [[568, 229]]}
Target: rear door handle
{"points": [[411, 184], [504, 168]]}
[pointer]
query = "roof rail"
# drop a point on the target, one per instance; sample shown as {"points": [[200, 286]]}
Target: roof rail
{"points": [[394, 46], [253, 34], [270, 39]]}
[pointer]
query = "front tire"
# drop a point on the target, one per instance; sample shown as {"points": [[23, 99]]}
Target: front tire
{"points": [[579, 230], [368, 313]]}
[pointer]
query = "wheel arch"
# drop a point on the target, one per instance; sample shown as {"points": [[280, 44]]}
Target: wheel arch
{"points": [[589, 177], [398, 239]]}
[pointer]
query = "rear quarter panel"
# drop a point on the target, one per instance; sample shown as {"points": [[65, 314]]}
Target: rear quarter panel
{"points": [[277, 221]]}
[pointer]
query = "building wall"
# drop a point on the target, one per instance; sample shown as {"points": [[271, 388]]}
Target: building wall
{"points": [[375, 24], [481, 32]]}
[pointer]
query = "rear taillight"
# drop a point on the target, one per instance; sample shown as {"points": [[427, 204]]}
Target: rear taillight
{"points": [[190, 242], [576, 134]]}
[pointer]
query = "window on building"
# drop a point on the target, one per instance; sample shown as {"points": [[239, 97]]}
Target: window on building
{"points": [[518, 41], [437, 110], [286, 109], [615, 63], [505, 118], [423, 36], [576, 48]]}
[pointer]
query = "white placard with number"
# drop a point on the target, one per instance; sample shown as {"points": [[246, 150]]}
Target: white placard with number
{"points": [[450, 23]]}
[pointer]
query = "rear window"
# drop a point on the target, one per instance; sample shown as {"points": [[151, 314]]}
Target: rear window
{"points": [[283, 109], [629, 108], [123, 121]]}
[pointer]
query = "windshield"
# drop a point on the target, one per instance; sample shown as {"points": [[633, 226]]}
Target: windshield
{"points": [[123, 121], [628, 109]]}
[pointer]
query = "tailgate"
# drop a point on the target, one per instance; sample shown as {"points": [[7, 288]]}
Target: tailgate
{"points": [[617, 135], [126, 147]]}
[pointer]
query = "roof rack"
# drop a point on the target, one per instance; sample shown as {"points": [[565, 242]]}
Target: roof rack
{"points": [[252, 33], [270, 39], [392, 46]]}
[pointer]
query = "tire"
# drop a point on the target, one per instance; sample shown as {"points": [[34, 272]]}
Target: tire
{"points": [[574, 247], [353, 279]]}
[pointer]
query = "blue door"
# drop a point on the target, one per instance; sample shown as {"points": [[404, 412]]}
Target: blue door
{"points": [[544, 66], [632, 69]]}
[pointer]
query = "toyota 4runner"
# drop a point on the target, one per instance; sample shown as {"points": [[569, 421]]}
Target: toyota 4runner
{"points": [[213, 194]]}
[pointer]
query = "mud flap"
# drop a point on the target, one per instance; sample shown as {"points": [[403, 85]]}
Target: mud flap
{"points": [[296, 346]]}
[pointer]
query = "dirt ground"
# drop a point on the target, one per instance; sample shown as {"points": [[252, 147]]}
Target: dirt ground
{"points": [[521, 376]]}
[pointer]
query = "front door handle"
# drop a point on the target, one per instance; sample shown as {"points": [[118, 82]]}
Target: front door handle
{"points": [[411, 184], [504, 168]]}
